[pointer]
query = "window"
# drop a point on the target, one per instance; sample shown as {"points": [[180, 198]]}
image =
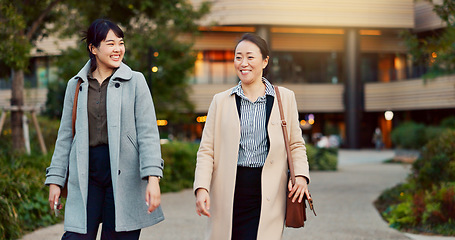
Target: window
{"points": [[215, 67], [307, 67]]}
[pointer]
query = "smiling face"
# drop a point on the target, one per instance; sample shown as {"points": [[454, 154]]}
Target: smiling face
{"points": [[110, 53], [249, 62]]}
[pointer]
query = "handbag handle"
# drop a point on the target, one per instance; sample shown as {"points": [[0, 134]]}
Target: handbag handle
{"points": [[76, 95], [285, 135]]}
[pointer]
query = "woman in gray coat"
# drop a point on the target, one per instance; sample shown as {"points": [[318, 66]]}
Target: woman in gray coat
{"points": [[111, 161]]}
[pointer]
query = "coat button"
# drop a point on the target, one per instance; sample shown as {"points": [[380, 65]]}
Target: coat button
{"points": [[117, 85], [119, 172], [80, 88]]}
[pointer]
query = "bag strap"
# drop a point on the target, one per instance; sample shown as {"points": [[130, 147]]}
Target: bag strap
{"points": [[76, 95], [288, 150], [285, 135]]}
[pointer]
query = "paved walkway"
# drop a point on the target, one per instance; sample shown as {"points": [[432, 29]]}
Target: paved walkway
{"points": [[343, 201]]}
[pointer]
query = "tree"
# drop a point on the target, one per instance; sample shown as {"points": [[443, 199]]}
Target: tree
{"points": [[153, 33], [23, 22], [435, 50], [20, 26]]}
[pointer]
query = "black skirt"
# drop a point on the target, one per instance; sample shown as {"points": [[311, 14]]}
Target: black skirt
{"points": [[247, 203]]}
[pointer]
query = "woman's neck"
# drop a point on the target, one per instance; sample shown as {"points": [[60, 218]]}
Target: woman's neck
{"points": [[101, 74], [254, 90]]}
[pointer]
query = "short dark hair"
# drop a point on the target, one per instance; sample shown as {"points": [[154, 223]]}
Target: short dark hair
{"points": [[262, 45], [96, 33]]}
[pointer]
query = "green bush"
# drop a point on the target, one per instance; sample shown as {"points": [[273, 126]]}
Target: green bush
{"points": [[426, 203], [322, 158], [179, 165], [23, 202], [55, 98], [409, 135], [49, 129], [431, 211], [448, 122], [437, 163]]}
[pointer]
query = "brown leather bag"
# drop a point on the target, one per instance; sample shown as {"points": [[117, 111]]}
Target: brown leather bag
{"points": [[64, 192], [295, 211]]}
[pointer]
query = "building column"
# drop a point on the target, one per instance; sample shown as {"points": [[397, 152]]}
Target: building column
{"points": [[353, 88], [264, 33]]}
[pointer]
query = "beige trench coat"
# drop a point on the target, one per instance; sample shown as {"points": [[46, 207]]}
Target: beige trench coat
{"points": [[217, 164]]}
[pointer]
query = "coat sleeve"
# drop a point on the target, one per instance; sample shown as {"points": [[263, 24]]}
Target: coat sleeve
{"points": [[56, 173], [205, 154], [151, 163], [296, 142]]}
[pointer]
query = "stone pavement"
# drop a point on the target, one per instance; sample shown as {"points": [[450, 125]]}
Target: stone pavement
{"points": [[343, 201]]}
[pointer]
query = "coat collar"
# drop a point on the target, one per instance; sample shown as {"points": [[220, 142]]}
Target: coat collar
{"points": [[123, 72]]}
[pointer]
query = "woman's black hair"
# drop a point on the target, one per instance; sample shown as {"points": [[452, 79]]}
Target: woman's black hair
{"points": [[96, 33], [262, 45]]}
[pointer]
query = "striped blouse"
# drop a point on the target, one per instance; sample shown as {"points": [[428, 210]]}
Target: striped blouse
{"points": [[253, 131]]}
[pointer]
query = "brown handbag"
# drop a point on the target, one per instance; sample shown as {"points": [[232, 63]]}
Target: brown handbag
{"points": [[295, 211], [64, 192]]}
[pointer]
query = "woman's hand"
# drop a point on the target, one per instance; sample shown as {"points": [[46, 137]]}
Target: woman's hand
{"points": [[153, 194], [202, 202], [54, 195], [299, 189]]}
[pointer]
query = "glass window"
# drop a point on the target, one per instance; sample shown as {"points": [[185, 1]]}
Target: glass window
{"points": [[215, 67], [307, 67], [383, 67]]}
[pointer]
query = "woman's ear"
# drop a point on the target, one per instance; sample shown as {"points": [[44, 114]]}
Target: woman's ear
{"points": [[265, 62], [92, 49]]}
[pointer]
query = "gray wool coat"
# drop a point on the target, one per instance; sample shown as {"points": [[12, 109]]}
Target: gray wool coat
{"points": [[134, 150]]}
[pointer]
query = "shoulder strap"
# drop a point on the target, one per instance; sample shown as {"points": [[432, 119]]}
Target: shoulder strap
{"points": [[285, 135], [76, 95]]}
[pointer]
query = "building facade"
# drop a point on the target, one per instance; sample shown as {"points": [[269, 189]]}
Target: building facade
{"points": [[345, 61]]}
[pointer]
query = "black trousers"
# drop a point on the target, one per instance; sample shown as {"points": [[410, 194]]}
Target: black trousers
{"points": [[100, 204], [247, 203]]}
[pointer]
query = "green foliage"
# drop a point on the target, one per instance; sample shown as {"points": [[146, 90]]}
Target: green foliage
{"points": [[21, 25], [448, 122], [49, 130], [426, 203], [14, 46], [54, 99], [23, 202], [435, 50], [324, 159], [23, 196], [409, 135], [431, 211], [179, 165], [149, 27], [400, 215], [437, 164]]}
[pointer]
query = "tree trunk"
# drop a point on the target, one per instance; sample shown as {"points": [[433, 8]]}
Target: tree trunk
{"points": [[17, 99]]}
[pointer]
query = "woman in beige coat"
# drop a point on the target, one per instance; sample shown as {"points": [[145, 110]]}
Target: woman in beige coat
{"points": [[241, 171]]}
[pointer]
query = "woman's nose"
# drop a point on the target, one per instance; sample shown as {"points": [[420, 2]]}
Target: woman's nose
{"points": [[244, 62]]}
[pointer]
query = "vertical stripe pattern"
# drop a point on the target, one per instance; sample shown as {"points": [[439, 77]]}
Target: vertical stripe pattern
{"points": [[253, 148]]}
